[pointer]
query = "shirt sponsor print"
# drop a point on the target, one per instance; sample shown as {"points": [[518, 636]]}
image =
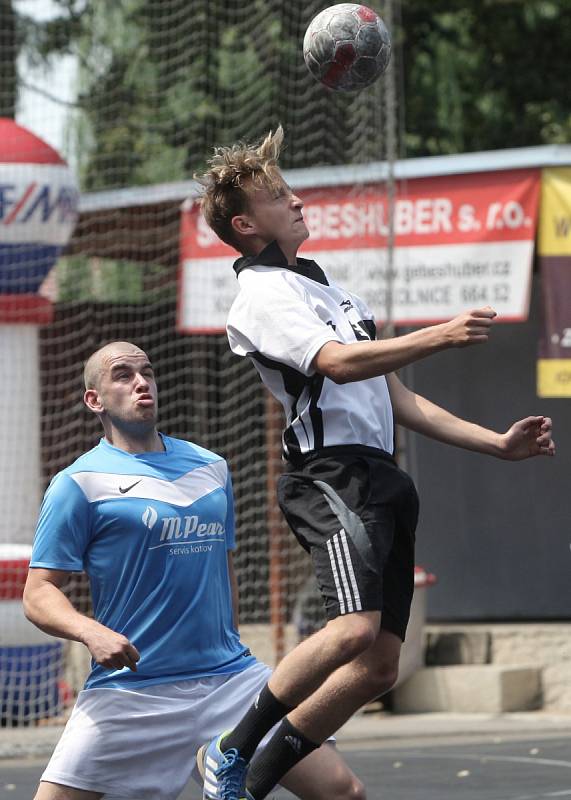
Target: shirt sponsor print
{"points": [[184, 534]]}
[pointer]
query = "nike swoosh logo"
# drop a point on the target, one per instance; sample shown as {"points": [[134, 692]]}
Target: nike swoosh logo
{"points": [[128, 488]]}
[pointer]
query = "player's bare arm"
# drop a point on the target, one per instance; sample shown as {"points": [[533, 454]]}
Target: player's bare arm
{"points": [[46, 606], [356, 362], [526, 438]]}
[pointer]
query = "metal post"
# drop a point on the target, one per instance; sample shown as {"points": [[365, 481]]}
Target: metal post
{"points": [[277, 529], [391, 141]]}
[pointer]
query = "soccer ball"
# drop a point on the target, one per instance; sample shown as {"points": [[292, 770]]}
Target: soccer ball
{"points": [[347, 47]]}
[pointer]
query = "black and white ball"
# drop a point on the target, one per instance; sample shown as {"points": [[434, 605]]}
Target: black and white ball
{"points": [[347, 47]]}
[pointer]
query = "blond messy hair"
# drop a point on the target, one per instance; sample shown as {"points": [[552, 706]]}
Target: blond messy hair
{"points": [[233, 171]]}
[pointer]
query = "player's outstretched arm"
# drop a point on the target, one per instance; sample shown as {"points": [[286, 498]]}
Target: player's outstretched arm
{"points": [[355, 362], [526, 438], [46, 606]]}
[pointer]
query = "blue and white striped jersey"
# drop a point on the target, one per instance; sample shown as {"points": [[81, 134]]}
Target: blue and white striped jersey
{"points": [[152, 531]]}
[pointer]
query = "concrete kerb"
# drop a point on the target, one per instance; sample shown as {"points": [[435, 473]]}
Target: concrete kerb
{"points": [[363, 731], [385, 730], [29, 742]]}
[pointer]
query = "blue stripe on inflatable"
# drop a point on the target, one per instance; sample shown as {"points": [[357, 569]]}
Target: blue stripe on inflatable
{"points": [[23, 267]]}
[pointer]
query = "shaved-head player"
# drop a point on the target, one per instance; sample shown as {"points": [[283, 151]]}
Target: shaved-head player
{"points": [[150, 519]]}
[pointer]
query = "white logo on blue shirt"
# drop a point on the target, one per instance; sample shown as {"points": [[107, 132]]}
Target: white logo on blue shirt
{"points": [[149, 517]]}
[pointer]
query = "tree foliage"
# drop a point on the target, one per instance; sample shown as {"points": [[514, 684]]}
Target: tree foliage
{"points": [[485, 74], [163, 82]]}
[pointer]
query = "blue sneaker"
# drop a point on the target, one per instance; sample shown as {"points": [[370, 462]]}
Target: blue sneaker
{"points": [[224, 774]]}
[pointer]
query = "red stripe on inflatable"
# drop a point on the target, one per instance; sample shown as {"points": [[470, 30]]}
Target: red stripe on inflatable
{"points": [[20, 146], [25, 309], [16, 210], [13, 574]]}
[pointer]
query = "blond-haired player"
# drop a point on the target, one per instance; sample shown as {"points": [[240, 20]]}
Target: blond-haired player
{"points": [[345, 498]]}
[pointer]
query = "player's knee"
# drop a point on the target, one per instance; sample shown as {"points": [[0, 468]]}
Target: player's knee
{"points": [[354, 636], [384, 676], [348, 787], [357, 790]]}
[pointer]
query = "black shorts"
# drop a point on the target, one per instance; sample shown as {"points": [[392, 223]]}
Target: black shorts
{"points": [[355, 512]]}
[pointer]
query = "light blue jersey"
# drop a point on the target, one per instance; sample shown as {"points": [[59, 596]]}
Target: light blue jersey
{"points": [[152, 531]]}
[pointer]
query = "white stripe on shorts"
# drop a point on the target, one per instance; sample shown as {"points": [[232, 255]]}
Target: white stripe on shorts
{"points": [[343, 572], [336, 577], [350, 570]]}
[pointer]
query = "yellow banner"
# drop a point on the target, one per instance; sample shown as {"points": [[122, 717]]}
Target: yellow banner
{"points": [[554, 235], [554, 377]]}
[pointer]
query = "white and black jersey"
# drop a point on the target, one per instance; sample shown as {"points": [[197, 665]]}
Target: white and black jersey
{"points": [[281, 318]]}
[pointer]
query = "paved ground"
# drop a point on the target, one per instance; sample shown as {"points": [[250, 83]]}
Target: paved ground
{"points": [[417, 757]]}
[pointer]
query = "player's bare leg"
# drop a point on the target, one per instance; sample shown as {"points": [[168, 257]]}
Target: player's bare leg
{"points": [[323, 775], [368, 676], [298, 675], [56, 791], [305, 668]]}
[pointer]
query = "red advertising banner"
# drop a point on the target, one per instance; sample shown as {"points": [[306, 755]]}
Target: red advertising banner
{"points": [[461, 241]]}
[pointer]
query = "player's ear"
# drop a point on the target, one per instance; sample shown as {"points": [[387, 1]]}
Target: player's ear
{"points": [[92, 401], [243, 225]]}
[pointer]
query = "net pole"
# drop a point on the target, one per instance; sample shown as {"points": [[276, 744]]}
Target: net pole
{"points": [[391, 156], [393, 103], [277, 543]]}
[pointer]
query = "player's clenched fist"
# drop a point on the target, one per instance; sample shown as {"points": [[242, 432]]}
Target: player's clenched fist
{"points": [[111, 649], [471, 327]]}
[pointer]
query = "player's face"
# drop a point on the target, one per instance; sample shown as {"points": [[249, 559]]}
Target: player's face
{"points": [[127, 388], [276, 213]]}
